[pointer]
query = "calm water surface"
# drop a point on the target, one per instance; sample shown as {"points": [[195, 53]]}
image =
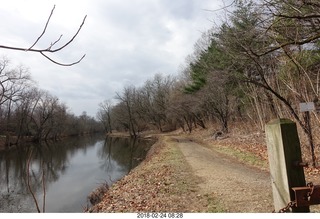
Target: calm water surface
{"points": [[64, 173]]}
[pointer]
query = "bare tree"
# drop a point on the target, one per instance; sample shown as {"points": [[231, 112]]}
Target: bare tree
{"points": [[104, 115], [128, 98], [153, 100], [13, 81], [44, 109], [49, 49]]}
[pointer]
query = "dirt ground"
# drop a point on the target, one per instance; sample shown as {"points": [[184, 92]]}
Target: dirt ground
{"points": [[238, 187], [192, 173]]}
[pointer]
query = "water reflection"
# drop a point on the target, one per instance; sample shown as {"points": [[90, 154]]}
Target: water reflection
{"points": [[61, 175]]}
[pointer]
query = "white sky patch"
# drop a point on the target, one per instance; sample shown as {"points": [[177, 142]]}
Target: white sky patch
{"points": [[125, 42]]}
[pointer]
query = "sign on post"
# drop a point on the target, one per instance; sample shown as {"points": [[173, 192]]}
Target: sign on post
{"points": [[306, 107]]}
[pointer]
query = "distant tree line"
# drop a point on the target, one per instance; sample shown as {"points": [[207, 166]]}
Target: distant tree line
{"points": [[28, 113], [258, 65]]}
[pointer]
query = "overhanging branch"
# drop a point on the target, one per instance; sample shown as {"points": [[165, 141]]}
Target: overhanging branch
{"points": [[45, 28], [49, 49], [302, 42]]}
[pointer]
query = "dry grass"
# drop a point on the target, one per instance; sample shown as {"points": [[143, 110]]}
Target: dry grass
{"points": [[163, 182]]}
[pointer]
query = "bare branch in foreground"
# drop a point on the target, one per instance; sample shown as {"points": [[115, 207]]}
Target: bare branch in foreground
{"points": [[44, 30], [49, 49]]}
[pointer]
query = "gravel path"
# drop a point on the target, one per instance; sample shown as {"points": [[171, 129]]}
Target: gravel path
{"points": [[237, 187]]}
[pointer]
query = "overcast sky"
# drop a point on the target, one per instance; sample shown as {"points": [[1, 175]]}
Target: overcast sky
{"points": [[126, 42]]}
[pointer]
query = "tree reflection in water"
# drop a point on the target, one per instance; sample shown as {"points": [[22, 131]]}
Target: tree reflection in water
{"points": [[62, 174]]}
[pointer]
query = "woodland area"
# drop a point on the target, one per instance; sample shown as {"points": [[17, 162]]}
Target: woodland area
{"points": [[30, 114], [259, 64]]}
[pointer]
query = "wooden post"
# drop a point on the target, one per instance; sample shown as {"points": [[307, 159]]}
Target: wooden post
{"points": [[284, 153]]}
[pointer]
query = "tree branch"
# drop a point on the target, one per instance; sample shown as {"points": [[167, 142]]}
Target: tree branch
{"points": [[302, 42], [74, 36], [298, 17], [44, 30], [49, 49], [28, 182], [223, 8], [59, 63]]}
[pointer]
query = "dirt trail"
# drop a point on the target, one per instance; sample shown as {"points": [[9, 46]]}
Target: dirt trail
{"points": [[237, 187]]}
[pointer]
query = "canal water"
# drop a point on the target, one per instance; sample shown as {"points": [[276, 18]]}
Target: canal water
{"points": [[59, 176]]}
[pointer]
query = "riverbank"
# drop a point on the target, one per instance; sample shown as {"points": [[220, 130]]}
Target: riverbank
{"points": [[163, 182], [166, 182]]}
